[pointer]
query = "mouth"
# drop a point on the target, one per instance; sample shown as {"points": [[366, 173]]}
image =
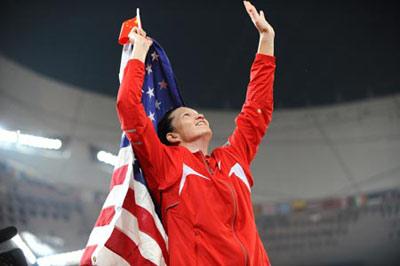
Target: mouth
{"points": [[200, 123]]}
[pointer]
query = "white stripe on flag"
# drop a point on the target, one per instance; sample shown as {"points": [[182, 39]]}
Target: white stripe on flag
{"points": [[116, 196], [106, 257], [100, 234], [125, 156], [148, 247], [128, 224], [144, 200], [126, 52]]}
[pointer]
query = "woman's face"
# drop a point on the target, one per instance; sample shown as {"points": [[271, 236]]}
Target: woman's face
{"points": [[190, 125]]}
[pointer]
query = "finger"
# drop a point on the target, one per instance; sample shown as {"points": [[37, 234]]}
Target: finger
{"points": [[249, 6], [141, 32], [251, 10], [134, 30], [262, 14], [132, 37], [150, 40]]}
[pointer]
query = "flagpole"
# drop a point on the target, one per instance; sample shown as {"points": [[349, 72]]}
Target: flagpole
{"points": [[138, 18]]}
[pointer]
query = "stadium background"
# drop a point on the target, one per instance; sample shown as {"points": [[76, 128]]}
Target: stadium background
{"points": [[327, 174]]}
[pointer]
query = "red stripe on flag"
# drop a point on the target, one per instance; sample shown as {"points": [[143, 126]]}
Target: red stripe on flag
{"points": [[86, 259], [145, 221], [126, 248], [105, 216], [118, 176]]}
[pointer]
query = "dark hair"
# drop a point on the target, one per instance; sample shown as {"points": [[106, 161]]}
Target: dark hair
{"points": [[165, 126]]}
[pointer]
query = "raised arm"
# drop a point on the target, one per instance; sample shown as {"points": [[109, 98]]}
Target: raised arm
{"points": [[131, 113], [256, 113], [265, 30], [155, 158]]}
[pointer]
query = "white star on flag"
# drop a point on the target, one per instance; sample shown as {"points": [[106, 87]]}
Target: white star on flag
{"points": [[163, 84], [154, 56], [151, 116], [150, 92], [148, 69], [158, 105]]}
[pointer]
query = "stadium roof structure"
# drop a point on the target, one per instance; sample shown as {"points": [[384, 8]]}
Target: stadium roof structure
{"points": [[307, 152]]}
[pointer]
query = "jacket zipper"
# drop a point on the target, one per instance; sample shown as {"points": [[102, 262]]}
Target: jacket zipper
{"points": [[234, 221], [206, 164], [234, 212]]}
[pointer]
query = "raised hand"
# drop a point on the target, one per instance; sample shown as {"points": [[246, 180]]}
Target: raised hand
{"points": [[267, 33], [258, 19], [141, 43]]}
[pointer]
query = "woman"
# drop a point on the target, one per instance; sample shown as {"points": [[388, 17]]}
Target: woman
{"points": [[205, 198]]}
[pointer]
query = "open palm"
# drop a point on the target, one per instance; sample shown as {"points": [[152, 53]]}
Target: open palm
{"points": [[258, 19]]}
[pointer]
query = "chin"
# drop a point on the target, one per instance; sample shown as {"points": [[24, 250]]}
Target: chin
{"points": [[207, 133]]}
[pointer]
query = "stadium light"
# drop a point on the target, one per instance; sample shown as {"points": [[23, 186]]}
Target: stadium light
{"points": [[8, 136], [16, 137], [62, 259], [40, 142], [31, 258], [36, 245], [107, 157]]}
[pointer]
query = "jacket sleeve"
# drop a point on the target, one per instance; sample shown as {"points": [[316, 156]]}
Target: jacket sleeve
{"points": [[157, 160], [256, 114]]}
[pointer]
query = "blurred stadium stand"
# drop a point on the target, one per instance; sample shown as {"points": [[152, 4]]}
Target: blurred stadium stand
{"points": [[361, 229], [357, 230]]}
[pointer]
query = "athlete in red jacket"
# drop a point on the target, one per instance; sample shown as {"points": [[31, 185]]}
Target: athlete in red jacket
{"points": [[205, 199]]}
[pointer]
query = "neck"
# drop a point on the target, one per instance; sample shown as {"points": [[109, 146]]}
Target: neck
{"points": [[197, 145]]}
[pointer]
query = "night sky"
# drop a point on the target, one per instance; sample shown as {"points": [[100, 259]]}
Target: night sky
{"points": [[327, 51]]}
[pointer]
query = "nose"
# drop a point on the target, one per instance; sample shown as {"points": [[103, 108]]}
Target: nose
{"points": [[200, 116]]}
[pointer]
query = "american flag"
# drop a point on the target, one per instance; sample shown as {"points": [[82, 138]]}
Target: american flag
{"points": [[128, 230]]}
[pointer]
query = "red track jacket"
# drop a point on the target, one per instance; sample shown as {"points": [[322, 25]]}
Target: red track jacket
{"points": [[205, 200]]}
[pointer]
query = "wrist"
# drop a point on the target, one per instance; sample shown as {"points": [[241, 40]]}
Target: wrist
{"points": [[267, 37], [266, 45], [139, 51]]}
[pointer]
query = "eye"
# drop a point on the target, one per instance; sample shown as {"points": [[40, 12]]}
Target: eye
{"points": [[186, 114]]}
